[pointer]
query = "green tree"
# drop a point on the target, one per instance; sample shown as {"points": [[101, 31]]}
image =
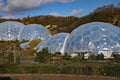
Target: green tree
{"points": [[92, 57], [100, 56], [43, 56], [10, 57], [116, 57]]}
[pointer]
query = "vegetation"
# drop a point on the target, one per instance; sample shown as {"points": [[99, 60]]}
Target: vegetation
{"points": [[48, 63], [64, 67], [92, 57], [43, 56], [100, 56], [5, 78]]}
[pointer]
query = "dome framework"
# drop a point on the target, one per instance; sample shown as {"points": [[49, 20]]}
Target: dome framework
{"points": [[9, 30], [94, 37], [34, 31], [54, 44]]}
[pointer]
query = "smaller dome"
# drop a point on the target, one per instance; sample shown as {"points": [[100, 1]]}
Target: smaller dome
{"points": [[55, 44], [33, 32]]}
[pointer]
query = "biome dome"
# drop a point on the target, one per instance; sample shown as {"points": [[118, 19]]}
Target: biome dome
{"points": [[33, 32], [9, 30], [55, 44], [97, 37]]}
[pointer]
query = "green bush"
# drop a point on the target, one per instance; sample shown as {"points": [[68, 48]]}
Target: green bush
{"points": [[2, 69], [5, 78], [67, 67], [71, 70], [92, 57], [100, 56], [87, 70], [43, 56], [111, 70]]}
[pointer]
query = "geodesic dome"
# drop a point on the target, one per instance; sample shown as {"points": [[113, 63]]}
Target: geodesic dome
{"points": [[33, 32], [55, 44], [94, 37], [9, 30]]}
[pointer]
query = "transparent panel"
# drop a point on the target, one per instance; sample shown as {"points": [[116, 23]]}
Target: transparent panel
{"points": [[96, 43], [56, 42], [104, 40], [84, 33], [33, 32], [10, 30], [93, 36]]}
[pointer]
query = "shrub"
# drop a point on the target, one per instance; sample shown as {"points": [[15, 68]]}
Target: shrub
{"points": [[87, 70], [92, 57], [67, 56], [100, 56], [5, 78], [72, 69], [111, 70], [43, 56]]}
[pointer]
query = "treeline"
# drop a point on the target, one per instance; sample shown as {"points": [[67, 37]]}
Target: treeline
{"points": [[107, 13]]}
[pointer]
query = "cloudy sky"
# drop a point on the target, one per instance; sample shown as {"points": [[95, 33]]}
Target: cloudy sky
{"points": [[24, 8]]}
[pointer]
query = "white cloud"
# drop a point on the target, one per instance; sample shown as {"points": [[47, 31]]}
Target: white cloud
{"points": [[14, 6], [76, 13], [54, 14], [8, 17]]}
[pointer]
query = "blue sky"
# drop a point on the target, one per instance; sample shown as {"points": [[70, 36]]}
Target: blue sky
{"points": [[24, 8]]}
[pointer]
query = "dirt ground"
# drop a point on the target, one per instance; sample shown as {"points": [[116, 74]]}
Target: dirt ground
{"points": [[55, 77]]}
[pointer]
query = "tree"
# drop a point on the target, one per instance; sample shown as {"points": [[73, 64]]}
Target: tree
{"points": [[92, 57], [66, 57], [10, 57], [57, 54], [116, 57], [100, 56], [43, 56]]}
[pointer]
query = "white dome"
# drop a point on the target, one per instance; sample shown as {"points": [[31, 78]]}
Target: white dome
{"points": [[33, 32], [9, 30], [92, 37], [56, 43]]}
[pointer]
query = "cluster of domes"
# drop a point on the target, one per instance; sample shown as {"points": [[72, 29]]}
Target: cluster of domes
{"points": [[96, 37], [12, 30]]}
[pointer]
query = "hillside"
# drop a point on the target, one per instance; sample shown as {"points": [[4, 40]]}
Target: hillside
{"points": [[56, 24]]}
